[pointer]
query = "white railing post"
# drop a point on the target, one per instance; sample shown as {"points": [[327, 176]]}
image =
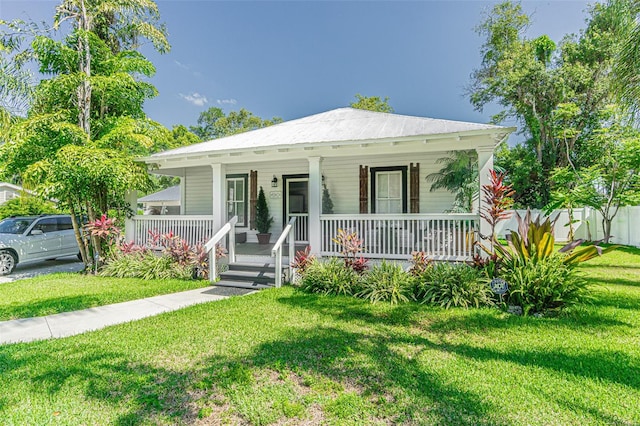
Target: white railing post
{"points": [[232, 244], [292, 255], [278, 268], [276, 251], [213, 270], [210, 247]]}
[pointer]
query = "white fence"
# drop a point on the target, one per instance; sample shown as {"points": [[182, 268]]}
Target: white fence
{"points": [[625, 228], [442, 237], [193, 229]]}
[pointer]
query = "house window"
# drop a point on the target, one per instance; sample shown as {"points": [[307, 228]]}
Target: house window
{"points": [[389, 189], [237, 198]]}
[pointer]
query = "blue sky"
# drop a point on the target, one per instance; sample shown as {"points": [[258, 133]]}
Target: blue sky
{"points": [[295, 58]]}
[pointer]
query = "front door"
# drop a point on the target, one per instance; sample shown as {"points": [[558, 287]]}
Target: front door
{"points": [[296, 204]]}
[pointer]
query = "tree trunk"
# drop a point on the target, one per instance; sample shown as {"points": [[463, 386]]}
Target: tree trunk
{"points": [[78, 233], [606, 227], [84, 90]]}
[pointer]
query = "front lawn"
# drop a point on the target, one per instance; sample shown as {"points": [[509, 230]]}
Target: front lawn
{"points": [[283, 356], [55, 293]]}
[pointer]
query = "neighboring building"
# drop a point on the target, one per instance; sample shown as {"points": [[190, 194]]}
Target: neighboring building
{"points": [[9, 191], [373, 165], [165, 202]]}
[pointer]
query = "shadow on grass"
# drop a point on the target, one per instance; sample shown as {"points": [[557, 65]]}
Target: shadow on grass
{"points": [[347, 308], [610, 366], [370, 364], [48, 307], [148, 393], [612, 281]]}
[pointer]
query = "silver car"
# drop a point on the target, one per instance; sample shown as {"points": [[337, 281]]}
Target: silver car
{"points": [[34, 238]]}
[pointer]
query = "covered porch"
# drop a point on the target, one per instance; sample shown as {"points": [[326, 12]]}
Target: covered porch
{"points": [[371, 166]]}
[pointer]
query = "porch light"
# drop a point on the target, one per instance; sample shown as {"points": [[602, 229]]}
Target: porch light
{"points": [[274, 182]]}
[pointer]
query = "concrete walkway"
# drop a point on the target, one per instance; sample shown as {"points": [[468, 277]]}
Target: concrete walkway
{"points": [[77, 322]]}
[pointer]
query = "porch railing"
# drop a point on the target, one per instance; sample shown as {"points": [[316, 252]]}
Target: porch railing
{"points": [[210, 247], [193, 229], [300, 226], [276, 251], [441, 236]]}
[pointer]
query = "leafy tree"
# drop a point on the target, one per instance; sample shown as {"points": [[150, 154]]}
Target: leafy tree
{"points": [[612, 181], [214, 124], [86, 122], [459, 175], [537, 83], [371, 103]]}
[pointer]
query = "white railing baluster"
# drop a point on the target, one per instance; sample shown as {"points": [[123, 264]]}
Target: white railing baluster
{"points": [[441, 236]]}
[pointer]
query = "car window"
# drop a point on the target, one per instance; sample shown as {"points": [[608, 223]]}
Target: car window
{"points": [[46, 225], [64, 223], [14, 226]]}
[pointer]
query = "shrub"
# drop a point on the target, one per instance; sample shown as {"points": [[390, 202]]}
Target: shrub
{"points": [[386, 282], [330, 277], [26, 205], [548, 284], [351, 247], [450, 285], [263, 219], [302, 260], [419, 263], [145, 265]]}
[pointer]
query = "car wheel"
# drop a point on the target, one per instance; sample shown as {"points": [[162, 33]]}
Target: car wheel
{"points": [[7, 262]]}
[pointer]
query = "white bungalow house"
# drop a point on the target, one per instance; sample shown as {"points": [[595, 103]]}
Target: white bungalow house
{"points": [[372, 164]]}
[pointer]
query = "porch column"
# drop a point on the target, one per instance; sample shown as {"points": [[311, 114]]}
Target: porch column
{"points": [[485, 165], [183, 194], [131, 200], [218, 211], [315, 204]]}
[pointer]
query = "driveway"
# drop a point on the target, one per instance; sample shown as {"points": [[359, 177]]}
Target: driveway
{"points": [[28, 270]]}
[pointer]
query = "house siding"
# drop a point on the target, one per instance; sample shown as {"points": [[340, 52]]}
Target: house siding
{"points": [[341, 179], [198, 191]]}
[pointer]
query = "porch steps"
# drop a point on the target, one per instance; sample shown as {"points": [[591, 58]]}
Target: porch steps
{"points": [[255, 276]]}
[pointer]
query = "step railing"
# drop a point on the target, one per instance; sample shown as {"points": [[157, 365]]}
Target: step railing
{"points": [[276, 251], [210, 247]]}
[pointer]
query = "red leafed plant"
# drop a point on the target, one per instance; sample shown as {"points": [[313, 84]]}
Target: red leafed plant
{"points": [[303, 259], [420, 262], [103, 228], [350, 247], [497, 201]]}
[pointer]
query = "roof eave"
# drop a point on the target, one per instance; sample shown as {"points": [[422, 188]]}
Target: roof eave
{"points": [[504, 132]]}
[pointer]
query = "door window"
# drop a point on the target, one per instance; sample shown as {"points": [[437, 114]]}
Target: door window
{"points": [[237, 198]]}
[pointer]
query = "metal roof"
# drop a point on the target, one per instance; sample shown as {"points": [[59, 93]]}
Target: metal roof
{"points": [[169, 194], [335, 126]]}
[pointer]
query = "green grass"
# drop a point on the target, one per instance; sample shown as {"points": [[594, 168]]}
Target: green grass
{"points": [[52, 294], [286, 357]]}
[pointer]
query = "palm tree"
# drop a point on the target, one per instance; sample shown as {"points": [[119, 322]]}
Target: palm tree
{"points": [[626, 68], [458, 175]]}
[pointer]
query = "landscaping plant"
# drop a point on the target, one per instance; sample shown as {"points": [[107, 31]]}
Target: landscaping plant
{"points": [[331, 277], [386, 282], [351, 247], [545, 285], [452, 285], [540, 279]]}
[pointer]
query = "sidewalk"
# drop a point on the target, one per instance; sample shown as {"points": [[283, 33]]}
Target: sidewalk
{"points": [[77, 322]]}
